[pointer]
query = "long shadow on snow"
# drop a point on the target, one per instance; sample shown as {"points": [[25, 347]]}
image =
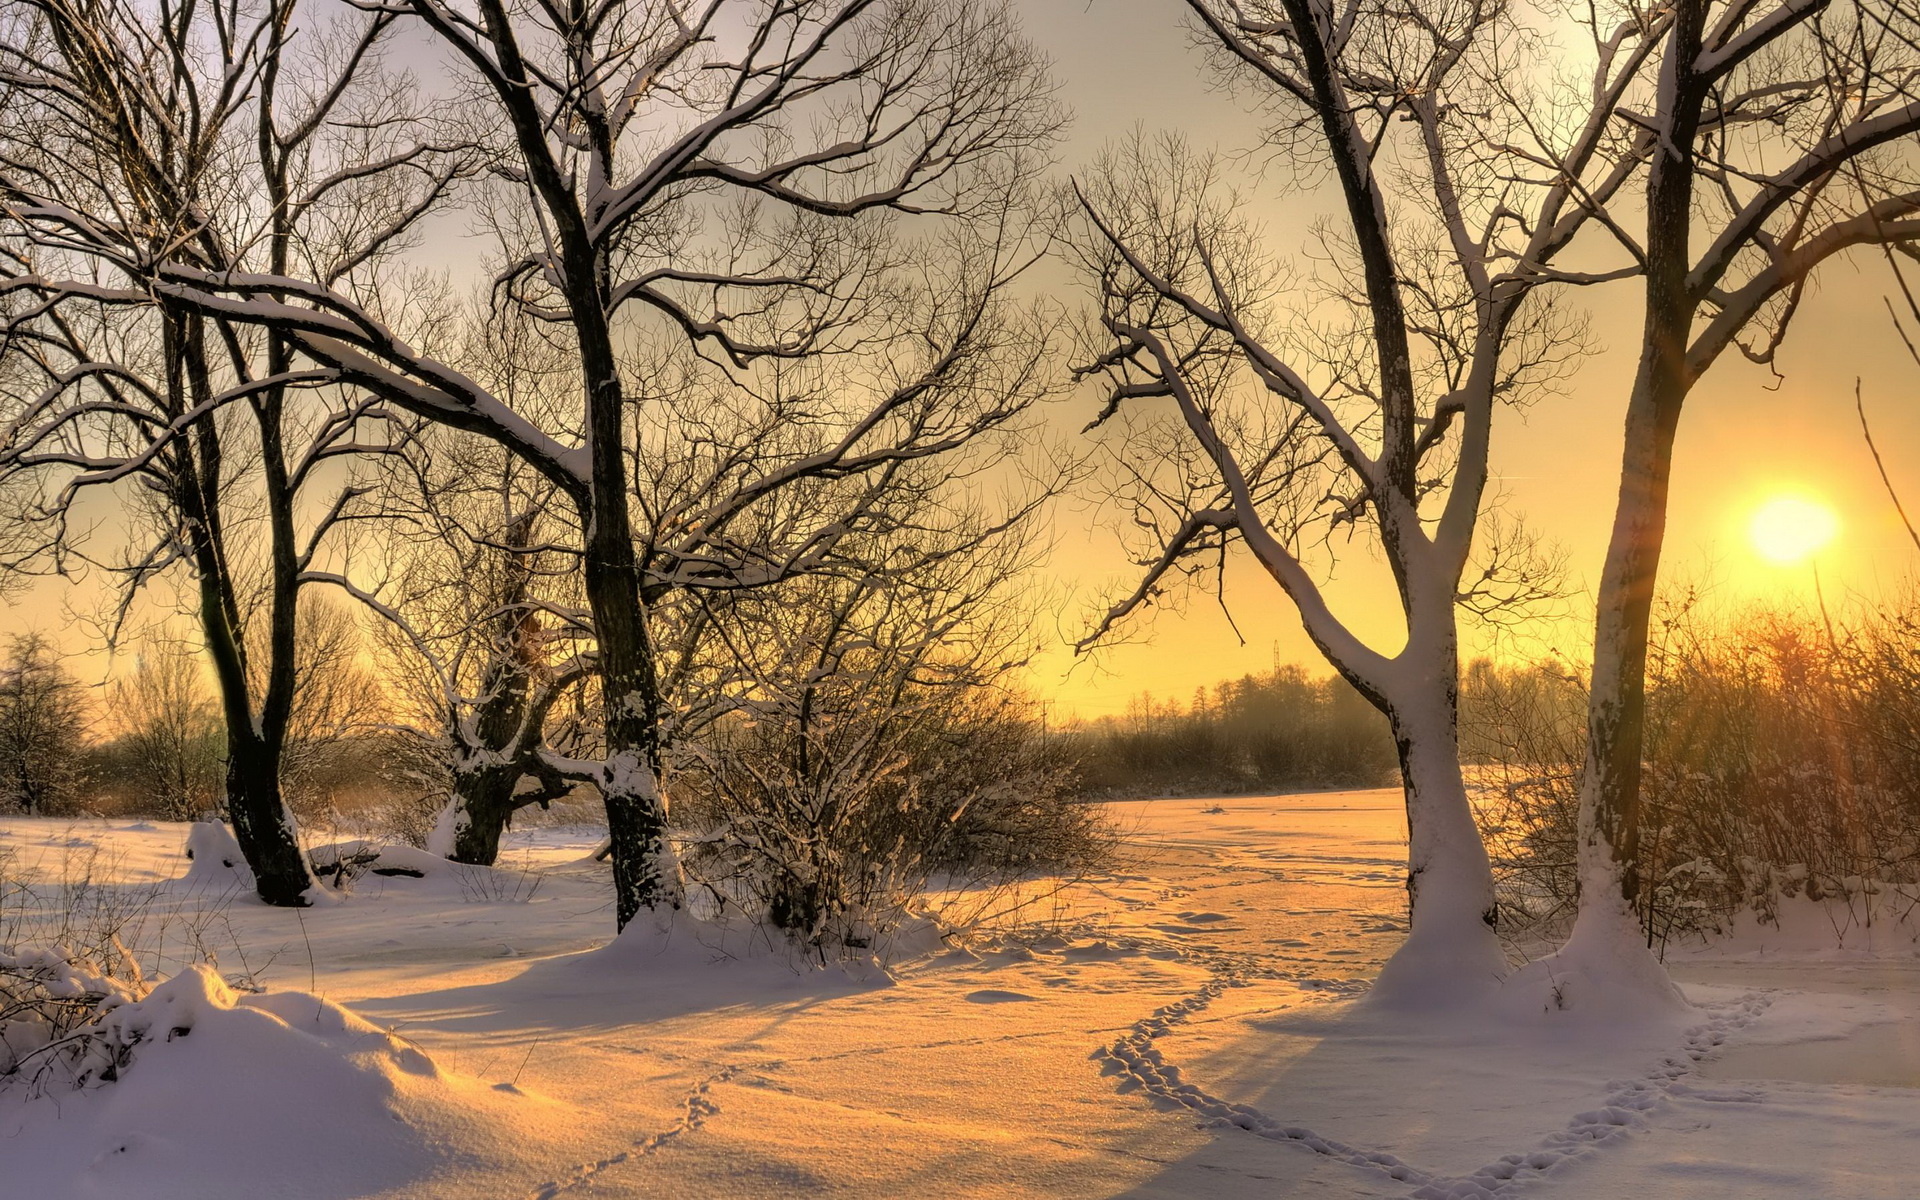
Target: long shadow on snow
{"points": [[641, 976]]}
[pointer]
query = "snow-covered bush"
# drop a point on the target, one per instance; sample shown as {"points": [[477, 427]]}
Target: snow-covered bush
{"points": [[1782, 761], [871, 745], [837, 845], [55, 1006]]}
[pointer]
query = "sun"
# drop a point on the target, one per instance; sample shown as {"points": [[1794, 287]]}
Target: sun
{"points": [[1787, 529]]}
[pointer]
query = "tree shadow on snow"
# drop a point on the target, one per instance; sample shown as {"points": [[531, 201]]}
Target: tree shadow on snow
{"points": [[641, 977]]}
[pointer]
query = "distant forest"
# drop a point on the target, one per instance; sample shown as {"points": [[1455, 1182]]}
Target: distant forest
{"points": [[1282, 730]]}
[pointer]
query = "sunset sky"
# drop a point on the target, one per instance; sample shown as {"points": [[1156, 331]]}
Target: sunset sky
{"points": [[1747, 438]]}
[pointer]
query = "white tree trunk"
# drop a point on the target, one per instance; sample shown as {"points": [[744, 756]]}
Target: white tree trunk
{"points": [[1451, 956]]}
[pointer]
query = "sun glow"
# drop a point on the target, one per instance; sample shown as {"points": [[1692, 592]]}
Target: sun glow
{"points": [[1787, 529]]}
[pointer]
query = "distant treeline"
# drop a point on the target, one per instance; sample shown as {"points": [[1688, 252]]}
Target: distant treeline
{"points": [[1280, 731]]}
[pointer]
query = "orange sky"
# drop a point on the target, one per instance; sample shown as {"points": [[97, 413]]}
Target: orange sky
{"points": [[1122, 63], [1128, 62]]}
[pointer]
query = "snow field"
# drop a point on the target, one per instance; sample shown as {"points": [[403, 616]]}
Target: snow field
{"points": [[1186, 1026]]}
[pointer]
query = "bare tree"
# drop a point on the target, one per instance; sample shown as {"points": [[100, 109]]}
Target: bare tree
{"points": [[725, 167], [183, 136], [873, 739], [1362, 396], [1785, 135], [42, 722], [487, 607], [483, 631], [170, 736]]}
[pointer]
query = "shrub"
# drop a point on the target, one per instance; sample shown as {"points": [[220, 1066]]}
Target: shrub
{"points": [[1782, 760], [836, 846]]}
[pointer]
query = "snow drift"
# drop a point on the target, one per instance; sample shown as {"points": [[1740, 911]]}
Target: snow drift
{"points": [[198, 1092]]}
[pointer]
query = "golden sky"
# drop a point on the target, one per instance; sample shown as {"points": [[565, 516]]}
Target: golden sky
{"points": [[1746, 437]]}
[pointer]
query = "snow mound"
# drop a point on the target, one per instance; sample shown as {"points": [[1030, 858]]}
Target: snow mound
{"points": [[679, 939], [1444, 967], [671, 963], [357, 866], [1874, 925], [220, 1092], [379, 858], [1604, 974], [214, 857]]}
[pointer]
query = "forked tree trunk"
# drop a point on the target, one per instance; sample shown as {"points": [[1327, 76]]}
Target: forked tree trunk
{"points": [[254, 803], [484, 801], [482, 805]]}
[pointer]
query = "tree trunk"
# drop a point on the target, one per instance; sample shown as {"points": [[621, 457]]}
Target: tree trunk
{"points": [[261, 824], [1451, 954], [254, 803], [485, 801], [1610, 802], [1609, 834], [645, 875], [1605, 964], [644, 872]]}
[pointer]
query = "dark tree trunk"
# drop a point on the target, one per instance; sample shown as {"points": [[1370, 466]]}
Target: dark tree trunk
{"points": [[254, 803], [260, 822], [485, 800], [644, 875], [508, 723]]}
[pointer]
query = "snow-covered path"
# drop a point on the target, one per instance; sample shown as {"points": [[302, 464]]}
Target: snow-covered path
{"points": [[1184, 1032]]}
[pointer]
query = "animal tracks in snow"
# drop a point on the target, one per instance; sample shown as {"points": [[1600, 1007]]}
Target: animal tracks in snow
{"points": [[1628, 1106], [699, 1106], [1135, 1056]]}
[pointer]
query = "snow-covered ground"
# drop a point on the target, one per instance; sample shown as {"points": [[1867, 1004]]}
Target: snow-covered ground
{"points": [[1183, 1027]]}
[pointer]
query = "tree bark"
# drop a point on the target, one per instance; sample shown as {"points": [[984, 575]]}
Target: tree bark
{"points": [[483, 798], [1451, 953], [645, 875], [1609, 836], [254, 803], [261, 824]]}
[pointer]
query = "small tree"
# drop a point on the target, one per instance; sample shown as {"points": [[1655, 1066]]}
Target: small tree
{"points": [[874, 740], [43, 720], [170, 734], [483, 634]]}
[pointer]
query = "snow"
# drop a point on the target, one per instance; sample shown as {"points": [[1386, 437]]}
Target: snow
{"points": [[1190, 1024], [281, 1094], [213, 854]]}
